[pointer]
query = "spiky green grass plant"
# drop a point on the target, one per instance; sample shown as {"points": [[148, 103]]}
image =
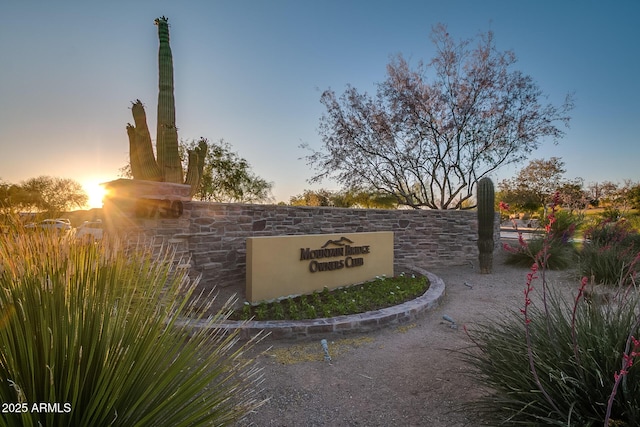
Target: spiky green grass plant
{"points": [[562, 255], [556, 244], [575, 361], [554, 362], [105, 332]]}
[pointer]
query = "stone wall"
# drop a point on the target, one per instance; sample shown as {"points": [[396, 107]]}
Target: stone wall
{"points": [[214, 234]]}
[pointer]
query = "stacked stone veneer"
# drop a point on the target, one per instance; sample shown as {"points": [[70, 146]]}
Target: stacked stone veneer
{"points": [[214, 235]]}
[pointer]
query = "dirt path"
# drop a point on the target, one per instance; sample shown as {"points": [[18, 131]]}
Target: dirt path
{"points": [[403, 376]]}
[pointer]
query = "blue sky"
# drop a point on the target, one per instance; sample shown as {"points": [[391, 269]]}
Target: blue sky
{"points": [[252, 72]]}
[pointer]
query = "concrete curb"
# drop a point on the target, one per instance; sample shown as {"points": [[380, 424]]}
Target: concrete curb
{"points": [[342, 325]]}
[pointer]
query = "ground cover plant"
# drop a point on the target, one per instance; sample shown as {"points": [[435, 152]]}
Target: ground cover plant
{"points": [[101, 333], [378, 293], [560, 361]]}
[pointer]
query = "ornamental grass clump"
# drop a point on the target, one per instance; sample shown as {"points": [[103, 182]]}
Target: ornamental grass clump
{"points": [[557, 361], [557, 242], [609, 254], [104, 335]]}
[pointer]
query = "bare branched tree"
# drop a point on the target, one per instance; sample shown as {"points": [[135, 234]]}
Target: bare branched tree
{"points": [[432, 132]]}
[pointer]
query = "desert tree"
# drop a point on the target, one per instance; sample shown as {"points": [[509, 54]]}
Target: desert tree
{"points": [[7, 194], [48, 194], [602, 192], [367, 199], [343, 199], [535, 184], [633, 196], [226, 176], [321, 197], [572, 194], [432, 131]]}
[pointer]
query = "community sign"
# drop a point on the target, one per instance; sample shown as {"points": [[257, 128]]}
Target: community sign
{"points": [[283, 266]]}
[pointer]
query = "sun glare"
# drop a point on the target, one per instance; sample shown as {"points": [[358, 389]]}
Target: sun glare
{"points": [[95, 192]]}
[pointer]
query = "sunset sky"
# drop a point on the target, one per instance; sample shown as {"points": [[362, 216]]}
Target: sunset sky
{"points": [[252, 72]]}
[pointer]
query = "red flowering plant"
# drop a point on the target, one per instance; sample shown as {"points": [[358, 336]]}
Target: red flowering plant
{"points": [[632, 350], [503, 208], [556, 361]]}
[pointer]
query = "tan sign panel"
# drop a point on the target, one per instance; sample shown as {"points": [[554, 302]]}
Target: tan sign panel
{"points": [[293, 265]]}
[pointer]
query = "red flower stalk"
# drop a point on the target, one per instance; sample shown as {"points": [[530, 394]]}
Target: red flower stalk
{"points": [[627, 361], [522, 242], [507, 247], [527, 302], [551, 218], [583, 285]]}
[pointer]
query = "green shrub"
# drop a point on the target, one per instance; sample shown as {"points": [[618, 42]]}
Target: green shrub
{"points": [[609, 254], [633, 219], [563, 224], [610, 214], [575, 363], [107, 333], [607, 265]]}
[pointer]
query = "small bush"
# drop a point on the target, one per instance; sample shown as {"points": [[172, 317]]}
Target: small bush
{"points": [[107, 333], [553, 250], [610, 214], [563, 224], [633, 219], [609, 254]]}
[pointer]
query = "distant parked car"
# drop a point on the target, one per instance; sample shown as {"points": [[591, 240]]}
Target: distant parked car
{"points": [[51, 225], [90, 230]]}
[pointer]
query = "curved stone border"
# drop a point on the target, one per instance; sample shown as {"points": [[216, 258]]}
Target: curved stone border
{"points": [[362, 322]]}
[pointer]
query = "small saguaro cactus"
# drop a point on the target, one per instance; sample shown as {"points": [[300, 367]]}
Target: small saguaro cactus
{"points": [[486, 216], [167, 167]]}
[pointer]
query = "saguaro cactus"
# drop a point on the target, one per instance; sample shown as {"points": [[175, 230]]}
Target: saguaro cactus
{"points": [[167, 134], [486, 216], [196, 165], [167, 167], [143, 164]]}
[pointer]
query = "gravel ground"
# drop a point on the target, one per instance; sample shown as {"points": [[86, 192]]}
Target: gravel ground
{"points": [[401, 376]]}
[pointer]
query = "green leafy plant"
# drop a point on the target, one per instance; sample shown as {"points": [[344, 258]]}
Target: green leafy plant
{"points": [[278, 312], [378, 293], [107, 332], [292, 309], [226, 176]]}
